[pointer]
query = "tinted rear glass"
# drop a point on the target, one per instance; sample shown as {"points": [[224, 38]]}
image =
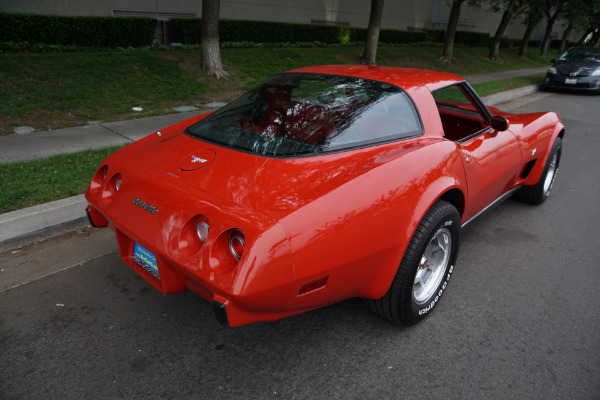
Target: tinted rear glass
{"points": [[292, 114]]}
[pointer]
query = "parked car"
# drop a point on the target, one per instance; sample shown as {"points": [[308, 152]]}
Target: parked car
{"points": [[578, 68], [321, 184]]}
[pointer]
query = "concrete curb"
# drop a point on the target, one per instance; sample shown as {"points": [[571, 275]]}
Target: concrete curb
{"points": [[50, 219], [44, 220], [503, 97]]}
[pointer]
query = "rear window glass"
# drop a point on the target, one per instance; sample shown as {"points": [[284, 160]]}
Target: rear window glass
{"points": [[293, 114]]}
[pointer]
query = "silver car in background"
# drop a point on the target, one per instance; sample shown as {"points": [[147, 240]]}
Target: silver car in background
{"points": [[578, 68]]}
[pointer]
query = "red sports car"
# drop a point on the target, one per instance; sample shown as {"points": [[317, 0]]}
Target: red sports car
{"points": [[321, 184]]}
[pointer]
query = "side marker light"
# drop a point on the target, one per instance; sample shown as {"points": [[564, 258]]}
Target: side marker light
{"points": [[314, 285]]}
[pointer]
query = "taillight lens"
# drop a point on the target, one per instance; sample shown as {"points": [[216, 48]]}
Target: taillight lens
{"points": [[202, 227], [237, 243], [98, 179], [111, 188]]}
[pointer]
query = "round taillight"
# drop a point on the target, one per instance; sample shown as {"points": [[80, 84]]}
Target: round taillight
{"points": [[111, 188], [236, 243], [202, 227], [98, 179]]}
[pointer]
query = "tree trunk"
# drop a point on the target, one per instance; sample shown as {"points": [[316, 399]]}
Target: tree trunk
{"points": [[551, 19], [526, 37], [211, 54], [563, 42], [585, 34], [370, 51], [451, 30], [495, 49]]}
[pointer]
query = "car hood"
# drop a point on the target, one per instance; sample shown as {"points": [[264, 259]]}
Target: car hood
{"points": [[273, 187], [577, 68]]}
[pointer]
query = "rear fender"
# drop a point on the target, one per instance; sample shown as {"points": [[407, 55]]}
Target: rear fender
{"points": [[448, 175], [379, 286], [553, 133], [360, 246]]}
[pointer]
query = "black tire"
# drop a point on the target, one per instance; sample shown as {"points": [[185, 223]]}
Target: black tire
{"points": [[404, 303], [538, 193]]}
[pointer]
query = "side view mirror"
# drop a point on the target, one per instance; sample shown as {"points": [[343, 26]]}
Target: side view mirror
{"points": [[500, 124], [553, 60]]}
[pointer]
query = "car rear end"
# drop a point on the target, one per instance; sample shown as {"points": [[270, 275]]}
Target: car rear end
{"points": [[179, 237]]}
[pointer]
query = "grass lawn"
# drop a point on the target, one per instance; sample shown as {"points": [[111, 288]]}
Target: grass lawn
{"points": [[24, 184], [56, 90], [486, 88]]}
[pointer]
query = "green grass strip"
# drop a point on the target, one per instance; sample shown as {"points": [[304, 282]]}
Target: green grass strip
{"points": [[23, 184], [487, 88]]}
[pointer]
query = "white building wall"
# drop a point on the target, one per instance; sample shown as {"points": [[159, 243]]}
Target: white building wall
{"points": [[397, 14]]}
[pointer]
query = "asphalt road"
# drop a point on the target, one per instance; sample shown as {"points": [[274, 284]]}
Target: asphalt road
{"points": [[520, 319]]}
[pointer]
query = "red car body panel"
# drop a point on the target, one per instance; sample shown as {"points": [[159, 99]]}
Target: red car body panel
{"points": [[344, 218]]}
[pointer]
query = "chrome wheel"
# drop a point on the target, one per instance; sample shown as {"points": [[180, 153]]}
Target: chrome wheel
{"points": [[433, 266], [550, 173]]}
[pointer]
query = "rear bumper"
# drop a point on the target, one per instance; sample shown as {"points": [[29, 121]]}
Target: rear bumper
{"points": [[238, 294], [586, 83], [221, 313], [95, 218]]}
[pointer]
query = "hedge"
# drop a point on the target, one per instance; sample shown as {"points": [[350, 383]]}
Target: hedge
{"points": [[435, 35], [77, 31], [398, 36], [388, 35], [267, 31], [472, 39], [188, 30], [465, 38], [506, 43], [114, 32]]}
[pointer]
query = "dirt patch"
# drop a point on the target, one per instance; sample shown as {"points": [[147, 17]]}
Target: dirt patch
{"points": [[170, 57], [225, 96], [191, 64]]}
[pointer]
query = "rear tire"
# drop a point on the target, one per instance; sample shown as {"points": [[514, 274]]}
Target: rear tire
{"points": [[425, 269], [538, 193]]}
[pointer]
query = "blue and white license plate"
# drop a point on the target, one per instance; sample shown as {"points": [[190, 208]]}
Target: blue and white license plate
{"points": [[146, 259]]}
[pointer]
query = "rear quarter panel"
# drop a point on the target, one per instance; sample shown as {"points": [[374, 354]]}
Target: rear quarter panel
{"points": [[357, 233]]}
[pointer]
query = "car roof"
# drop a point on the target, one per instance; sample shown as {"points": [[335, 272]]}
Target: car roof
{"points": [[405, 78]]}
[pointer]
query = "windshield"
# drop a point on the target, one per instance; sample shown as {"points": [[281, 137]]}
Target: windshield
{"points": [[581, 55], [294, 113]]}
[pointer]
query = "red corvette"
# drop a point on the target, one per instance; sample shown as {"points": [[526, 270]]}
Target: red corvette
{"points": [[321, 184]]}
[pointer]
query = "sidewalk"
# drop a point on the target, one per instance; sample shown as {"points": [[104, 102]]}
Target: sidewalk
{"points": [[36, 145], [44, 220]]}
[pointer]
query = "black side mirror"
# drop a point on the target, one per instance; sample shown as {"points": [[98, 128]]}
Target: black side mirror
{"points": [[553, 60], [500, 124]]}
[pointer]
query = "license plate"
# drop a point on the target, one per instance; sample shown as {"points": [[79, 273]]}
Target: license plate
{"points": [[146, 259], [569, 81]]}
